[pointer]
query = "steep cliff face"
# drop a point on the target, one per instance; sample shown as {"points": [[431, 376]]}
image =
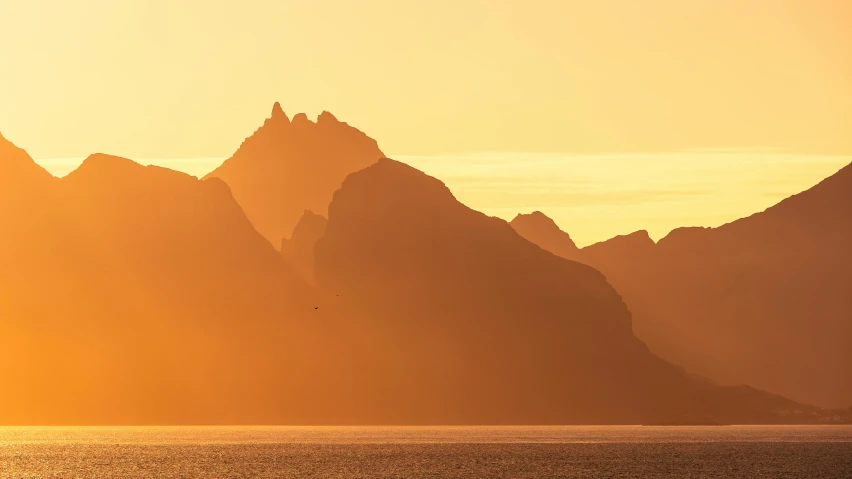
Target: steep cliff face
{"points": [[287, 167], [453, 317]]}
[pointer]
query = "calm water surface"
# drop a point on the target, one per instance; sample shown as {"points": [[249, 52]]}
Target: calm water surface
{"points": [[421, 452]]}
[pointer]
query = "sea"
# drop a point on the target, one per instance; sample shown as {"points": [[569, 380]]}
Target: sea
{"points": [[812, 452]]}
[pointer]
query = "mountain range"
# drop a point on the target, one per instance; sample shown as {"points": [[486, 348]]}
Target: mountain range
{"points": [[139, 295], [464, 321], [765, 300]]}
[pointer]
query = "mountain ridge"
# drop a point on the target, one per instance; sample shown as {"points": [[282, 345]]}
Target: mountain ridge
{"points": [[158, 291], [545, 339], [288, 166], [770, 289], [137, 291]]}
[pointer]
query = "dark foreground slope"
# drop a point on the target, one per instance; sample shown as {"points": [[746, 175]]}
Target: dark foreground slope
{"points": [[287, 167], [765, 300], [454, 318]]}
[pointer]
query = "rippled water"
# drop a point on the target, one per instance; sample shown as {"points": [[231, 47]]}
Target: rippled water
{"points": [[420, 452]]}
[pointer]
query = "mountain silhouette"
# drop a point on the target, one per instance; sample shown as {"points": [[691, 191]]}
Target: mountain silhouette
{"points": [[453, 317], [299, 249], [20, 175], [16, 164], [764, 300], [25, 196], [286, 167], [543, 231], [133, 294]]}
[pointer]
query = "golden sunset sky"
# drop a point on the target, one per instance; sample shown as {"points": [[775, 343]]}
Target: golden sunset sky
{"points": [[609, 116]]}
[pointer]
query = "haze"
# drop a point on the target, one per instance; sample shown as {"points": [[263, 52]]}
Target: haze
{"points": [[652, 82]]}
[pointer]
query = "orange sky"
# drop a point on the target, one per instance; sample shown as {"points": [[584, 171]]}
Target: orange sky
{"points": [[573, 81]]}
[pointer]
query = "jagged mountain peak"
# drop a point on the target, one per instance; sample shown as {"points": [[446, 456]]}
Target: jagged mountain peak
{"points": [[278, 113], [287, 167]]}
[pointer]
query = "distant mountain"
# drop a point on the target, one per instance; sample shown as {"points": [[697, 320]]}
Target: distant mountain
{"points": [[764, 300], [298, 250], [139, 295], [452, 317], [287, 167], [132, 294], [541, 230]]}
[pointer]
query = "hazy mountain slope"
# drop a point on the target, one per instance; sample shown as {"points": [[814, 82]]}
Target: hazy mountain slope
{"points": [[133, 294], [298, 250], [139, 295], [541, 230], [456, 318], [764, 300], [287, 167]]}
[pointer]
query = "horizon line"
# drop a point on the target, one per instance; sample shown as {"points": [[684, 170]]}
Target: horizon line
{"points": [[771, 151]]}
